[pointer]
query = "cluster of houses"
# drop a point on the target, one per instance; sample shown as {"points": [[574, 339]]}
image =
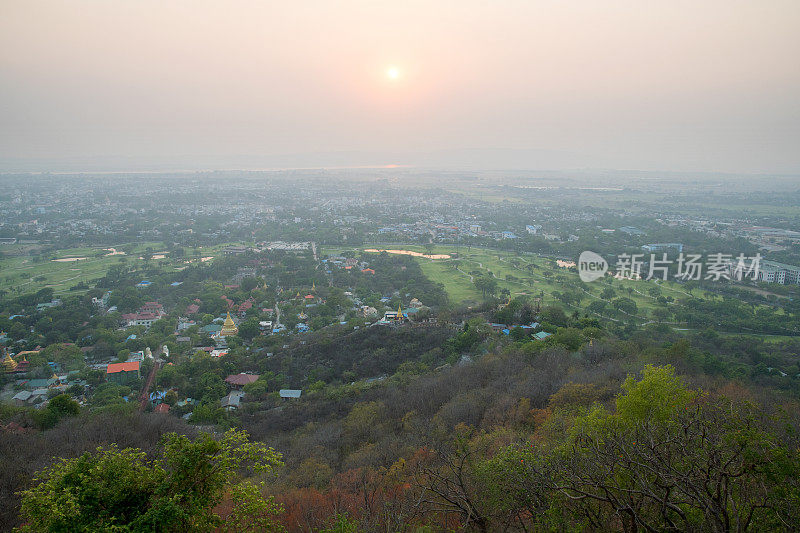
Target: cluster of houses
{"points": [[449, 231], [529, 329], [237, 382], [36, 391], [230, 402], [346, 263]]}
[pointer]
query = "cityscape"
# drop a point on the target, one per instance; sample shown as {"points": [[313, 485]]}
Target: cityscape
{"points": [[338, 267]]}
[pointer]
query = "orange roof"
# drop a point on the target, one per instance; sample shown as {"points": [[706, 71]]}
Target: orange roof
{"points": [[162, 408], [113, 368]]}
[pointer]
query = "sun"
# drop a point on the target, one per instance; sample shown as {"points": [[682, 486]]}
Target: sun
{"points": [[392, 73]]}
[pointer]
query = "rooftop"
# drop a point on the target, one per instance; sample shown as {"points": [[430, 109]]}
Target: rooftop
{"points": [[241, 379], [113, 368]]}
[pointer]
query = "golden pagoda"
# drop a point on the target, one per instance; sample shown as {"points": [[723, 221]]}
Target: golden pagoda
{"points": [[228, 327], [9, 365]]}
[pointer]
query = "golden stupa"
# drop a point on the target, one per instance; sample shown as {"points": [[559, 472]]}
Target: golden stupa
{"points": [[9, 365], [228, 327]]}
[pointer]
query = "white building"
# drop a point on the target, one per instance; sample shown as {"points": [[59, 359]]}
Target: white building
{"points": [[533, 230], [774, 272]]}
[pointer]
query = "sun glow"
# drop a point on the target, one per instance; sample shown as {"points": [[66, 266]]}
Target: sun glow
{"points": [[393, 73]]}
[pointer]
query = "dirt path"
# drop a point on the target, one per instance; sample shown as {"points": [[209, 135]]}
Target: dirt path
{"points": [[145, 396]]}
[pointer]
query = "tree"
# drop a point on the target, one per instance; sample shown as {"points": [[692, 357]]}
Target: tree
{"points": [[669, 458], [486, 285], [518, 334], [608, 293], [209, 388], [248, 284], [554, 315], [597, 306], [570, 338], [124, 490], [626, 305], [171, 397], [249, 328], [61, 406]]}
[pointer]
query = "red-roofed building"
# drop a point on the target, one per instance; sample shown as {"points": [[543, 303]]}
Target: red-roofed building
{"points": [[192, 309], [245, 306], [238, 381], [161, 408], [145, 319], [122, 373], [147, 314], [368, 271]]}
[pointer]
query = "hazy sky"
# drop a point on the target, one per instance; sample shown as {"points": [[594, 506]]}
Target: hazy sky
{"points": [[675, 85]]}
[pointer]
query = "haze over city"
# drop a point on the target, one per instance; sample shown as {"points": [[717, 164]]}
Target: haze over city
{"points": [[147, 85], [338, 266]]}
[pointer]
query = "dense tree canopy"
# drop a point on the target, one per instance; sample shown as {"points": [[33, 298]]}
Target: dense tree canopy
{"points": [[124, 490]]}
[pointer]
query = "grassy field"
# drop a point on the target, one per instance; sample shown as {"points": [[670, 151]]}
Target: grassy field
{"points": [[525, 274], [459, 287], [30, 272]]}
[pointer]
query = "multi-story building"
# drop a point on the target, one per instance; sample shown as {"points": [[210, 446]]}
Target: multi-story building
{"points": [[774, 272], [663, 247]]}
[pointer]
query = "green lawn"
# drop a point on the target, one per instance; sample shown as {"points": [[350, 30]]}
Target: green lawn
{"points": [[29, 273], [524, 274], [458, 285]]}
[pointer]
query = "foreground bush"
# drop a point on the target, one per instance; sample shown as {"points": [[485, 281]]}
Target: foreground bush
{"points": [[122, 490]]}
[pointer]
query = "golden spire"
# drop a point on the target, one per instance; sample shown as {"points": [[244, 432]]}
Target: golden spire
{"points": [[399, 312], [229, 326], [9, 364], [313, 286]]}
